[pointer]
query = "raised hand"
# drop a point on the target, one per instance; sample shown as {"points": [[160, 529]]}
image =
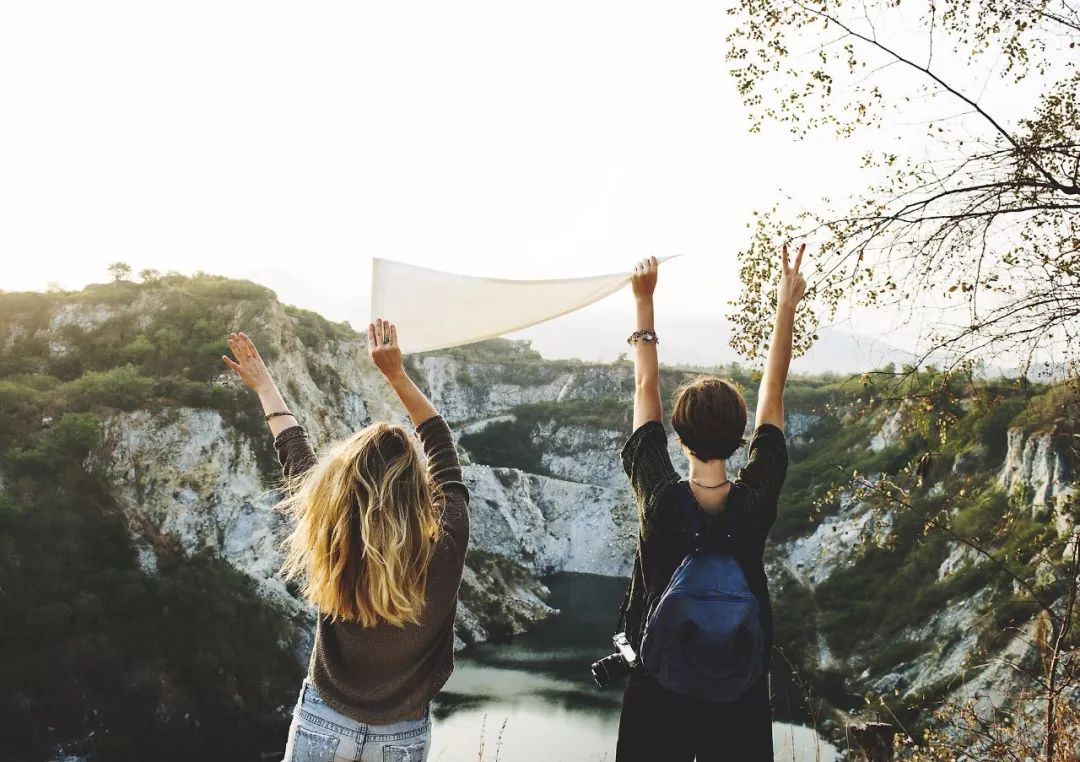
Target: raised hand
{"points": [[647, 402], [383, 345], [643, 281], [790, 290], [249, 364], [384, 349], [792, 284]]}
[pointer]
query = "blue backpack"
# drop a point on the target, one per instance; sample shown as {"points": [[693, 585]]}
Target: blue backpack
{"points": [[703, 637]]}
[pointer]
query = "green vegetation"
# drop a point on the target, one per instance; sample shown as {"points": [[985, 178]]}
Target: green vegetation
{"points": [[164, 352], [794, 617], [510, 443], [1058, 404], [865, 606], [505, 443], [492, 350], [314, 330], [184, 663], [506, 361], [606, 413], [852, 609], [501, 576]]}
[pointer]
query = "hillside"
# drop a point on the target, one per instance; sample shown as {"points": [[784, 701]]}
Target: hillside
{"points": [[140, 614]]}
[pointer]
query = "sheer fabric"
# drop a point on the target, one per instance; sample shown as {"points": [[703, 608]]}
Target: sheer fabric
{"points": [[433, 309]]}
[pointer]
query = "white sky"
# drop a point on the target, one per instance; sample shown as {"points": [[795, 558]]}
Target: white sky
{"points": [[290, 144]]}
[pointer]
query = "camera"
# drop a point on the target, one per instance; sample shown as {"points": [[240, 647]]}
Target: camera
{"points": [[617, 665]]}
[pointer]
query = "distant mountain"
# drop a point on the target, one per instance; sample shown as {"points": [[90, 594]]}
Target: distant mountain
{"points": [[842, 352], [601, 337]]}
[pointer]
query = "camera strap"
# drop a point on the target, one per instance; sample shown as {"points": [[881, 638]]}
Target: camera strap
{"points": [[635, 579]]}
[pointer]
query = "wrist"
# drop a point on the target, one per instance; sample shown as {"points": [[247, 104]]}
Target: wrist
{"points": [[267, 389], [643, 299], [785, 306], [643, 335], [396, 376]]}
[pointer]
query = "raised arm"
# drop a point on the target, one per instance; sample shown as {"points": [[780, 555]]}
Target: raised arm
{"points": [[792, 286], [290, 440], [434, 433], [647, 403], [252, 370], [383, 345]]}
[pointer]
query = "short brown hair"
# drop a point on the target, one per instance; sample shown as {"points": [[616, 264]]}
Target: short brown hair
{"points": [[709, 417]]}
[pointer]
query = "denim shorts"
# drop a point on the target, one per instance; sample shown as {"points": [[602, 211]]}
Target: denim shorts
{"points": [[321, 734]]}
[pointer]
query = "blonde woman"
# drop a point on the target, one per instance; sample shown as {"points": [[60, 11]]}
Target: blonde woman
{"points": [[379, 541]]}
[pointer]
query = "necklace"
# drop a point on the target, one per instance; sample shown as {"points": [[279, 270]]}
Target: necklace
{"points": [[709, 486]]}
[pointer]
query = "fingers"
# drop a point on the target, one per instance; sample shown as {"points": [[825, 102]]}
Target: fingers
{"points": [[230, 363], [381, 333], [798, 258], [249, 346], [241, 346]]}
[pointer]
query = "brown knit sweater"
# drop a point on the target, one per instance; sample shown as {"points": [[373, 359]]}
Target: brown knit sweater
{"points": [[385, 674]]}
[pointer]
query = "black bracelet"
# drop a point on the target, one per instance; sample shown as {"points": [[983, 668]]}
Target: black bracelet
{"points": [[268, 416], [645, 334]]}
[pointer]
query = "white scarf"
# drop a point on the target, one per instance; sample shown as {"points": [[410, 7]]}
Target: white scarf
{"points": [[435, 310]]}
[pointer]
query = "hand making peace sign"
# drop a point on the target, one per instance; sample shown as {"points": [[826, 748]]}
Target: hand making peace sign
{"points": [[792, 284]]}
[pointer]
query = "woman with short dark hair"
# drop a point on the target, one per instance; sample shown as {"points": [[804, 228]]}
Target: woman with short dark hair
{"points": [[709, 419]]}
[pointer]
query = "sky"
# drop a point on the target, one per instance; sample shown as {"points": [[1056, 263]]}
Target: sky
{"points": [[290, 145]]}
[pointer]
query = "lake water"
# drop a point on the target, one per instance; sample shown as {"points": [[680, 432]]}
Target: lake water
{"points": [[533, 699]]}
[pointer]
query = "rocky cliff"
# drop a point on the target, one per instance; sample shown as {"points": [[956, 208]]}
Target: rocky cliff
{"points": [[1038, 470]]}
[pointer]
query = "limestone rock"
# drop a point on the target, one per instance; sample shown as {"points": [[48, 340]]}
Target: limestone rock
{"points": [[1038, 463]]}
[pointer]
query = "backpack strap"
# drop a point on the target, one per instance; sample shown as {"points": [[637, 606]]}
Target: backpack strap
{"points": [[693, 521], [733, 523]]}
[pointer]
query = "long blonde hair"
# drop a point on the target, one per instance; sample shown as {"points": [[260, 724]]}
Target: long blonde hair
{"points": [[366, 528]]}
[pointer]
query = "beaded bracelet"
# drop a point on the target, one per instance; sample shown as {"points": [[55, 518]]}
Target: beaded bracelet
{"points": [[268, 416], [645, 334]]}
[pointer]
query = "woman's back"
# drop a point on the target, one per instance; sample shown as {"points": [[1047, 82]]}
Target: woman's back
{"points": [[664, 538], [387, 673], [380, 540]]}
